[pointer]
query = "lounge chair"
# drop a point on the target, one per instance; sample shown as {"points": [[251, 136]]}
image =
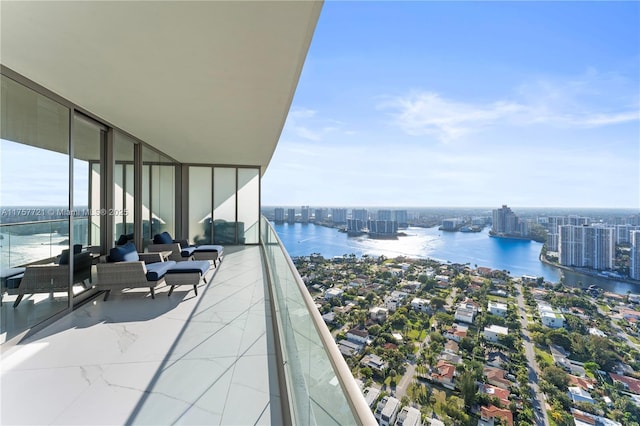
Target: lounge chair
{"points": [[126, 268], [55, 277], [181, 250], [164, 242]]}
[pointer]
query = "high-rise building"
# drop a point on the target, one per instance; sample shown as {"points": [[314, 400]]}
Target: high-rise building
{"points": [[505, 222], [291, 215], [278, 214], [402, 217], [385, 215], [360, 214], [339, 215], [304, 214], [148, 121], [320, 215], [587, 246], [635, 255]]}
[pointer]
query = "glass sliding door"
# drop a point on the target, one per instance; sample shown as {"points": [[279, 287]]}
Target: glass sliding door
{"points": [[248, 206], [158, 194], [89, 138], [123, 212], [200, 192], [224, 205], [34, 197]]}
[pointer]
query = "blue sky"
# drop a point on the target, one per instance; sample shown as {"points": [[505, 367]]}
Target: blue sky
{"points": [[465, 104]]}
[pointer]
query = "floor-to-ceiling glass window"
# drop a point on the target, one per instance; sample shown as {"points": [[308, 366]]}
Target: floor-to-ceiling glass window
{"points": [[200, 193], [123, 211], [89, 139], [34, 203], [248, 206], [158, 194], [224, 205]]}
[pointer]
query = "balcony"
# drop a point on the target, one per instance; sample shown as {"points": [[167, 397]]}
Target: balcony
{"points": [[214, 358]]}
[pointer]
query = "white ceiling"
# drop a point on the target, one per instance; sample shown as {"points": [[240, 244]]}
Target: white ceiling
{"points": [[203, 81]]}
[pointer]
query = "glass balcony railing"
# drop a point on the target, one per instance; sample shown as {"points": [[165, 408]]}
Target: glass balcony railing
{"points": [[320, 387]]}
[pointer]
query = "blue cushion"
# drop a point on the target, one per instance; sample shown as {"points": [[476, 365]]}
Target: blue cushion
{"points": [[125, 253], [124, 239], [64, 258], [10, 272], [187, 251], [155, 271], [201, 266], [164, 238], [210, 247]]}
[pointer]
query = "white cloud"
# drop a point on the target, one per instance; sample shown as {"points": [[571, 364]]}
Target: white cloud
{"points": [[306, 124], [580, 103]]}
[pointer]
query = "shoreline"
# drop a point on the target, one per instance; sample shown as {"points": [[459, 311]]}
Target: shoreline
{"points": [[586, 274]]}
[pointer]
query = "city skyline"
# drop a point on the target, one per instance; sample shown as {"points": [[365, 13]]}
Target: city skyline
{"points": [[426, 104]]}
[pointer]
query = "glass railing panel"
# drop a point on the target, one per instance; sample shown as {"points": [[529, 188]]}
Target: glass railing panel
{"points": [[28, 242], [315, 392]]}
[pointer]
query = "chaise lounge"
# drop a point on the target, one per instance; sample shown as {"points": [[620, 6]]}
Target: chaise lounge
{"points": [[126, 268], [54, 277], [180, 249]]}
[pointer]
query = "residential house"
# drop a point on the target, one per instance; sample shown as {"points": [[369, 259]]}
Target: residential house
{"points": [[394, 300], [333, 292], [493, 333], [487, 414], [348, 348], [421, 305], [409, 416], [585, 383], [631, 384], [374, 362], [497, 359], [371, 395], [387, 410], [578, 394], [496, 377], [484, 272], [378, 313], [358, 335], [550, 317], [451, 346], [499, 309], [501, 394], [444, 374], [456, 332], [466, 312]]}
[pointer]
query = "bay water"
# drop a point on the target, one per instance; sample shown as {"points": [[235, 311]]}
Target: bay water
{"points": [[519, 257]]}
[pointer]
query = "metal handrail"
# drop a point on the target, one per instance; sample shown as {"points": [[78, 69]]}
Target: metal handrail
{"points": [[358, 405], [34, 222]]}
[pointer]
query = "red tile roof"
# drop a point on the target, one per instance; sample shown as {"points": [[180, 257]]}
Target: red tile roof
{"points": [[493, 411], [501, 394], [632, 384], [582, 382]]}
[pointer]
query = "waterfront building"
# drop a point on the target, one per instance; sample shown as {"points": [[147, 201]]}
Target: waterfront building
{"points": [[623, 233], [291, 215], [339, 216], [576, 220], [505, 222], [360, 214], [278, 214], [355, 226], [587, 246], [635, 255], [451, 224], [320, 215], [382, 228], [402, 217], [132, 106], [304, 214], [385, 215]]}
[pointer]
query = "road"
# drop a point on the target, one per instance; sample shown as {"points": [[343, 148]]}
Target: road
{"points": [[539, 406], [409, 374]]}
